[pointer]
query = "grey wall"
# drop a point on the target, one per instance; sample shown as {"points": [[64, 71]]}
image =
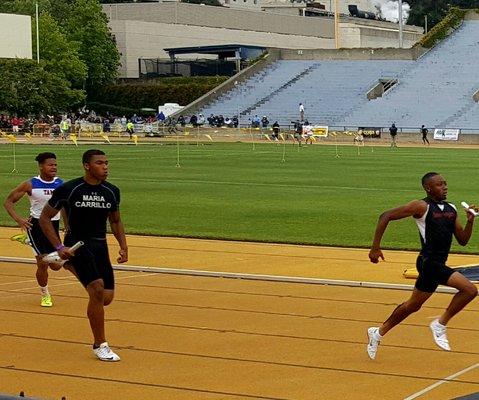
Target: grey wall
{"points": [[147, 40], [220, 17], [143, 30], [352, 54]]}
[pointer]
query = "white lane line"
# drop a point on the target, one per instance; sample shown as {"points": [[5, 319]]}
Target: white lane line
{"points": [[15, 282], [257, 277], [439, 383], [74, 281]]}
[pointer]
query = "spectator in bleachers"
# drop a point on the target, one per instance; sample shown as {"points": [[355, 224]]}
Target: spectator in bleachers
{"points": [[181, 120], [393, 131], [235, 121], [194, 120], [228, 122], [171, 124], [55, 131], [211, 120], [201, 120], [106, 125], [301, 112], [160, 117], [4, 122], [264, 121], [255, 122]]}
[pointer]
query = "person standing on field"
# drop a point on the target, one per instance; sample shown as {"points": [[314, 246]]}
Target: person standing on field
{"points": [[424, 132], [393, 131]]}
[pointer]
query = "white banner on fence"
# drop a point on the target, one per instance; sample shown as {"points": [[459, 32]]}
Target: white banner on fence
{"points": [[446, 134]]}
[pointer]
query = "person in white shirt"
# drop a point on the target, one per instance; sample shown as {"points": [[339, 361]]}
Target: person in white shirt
{"points": [[39, 189]]}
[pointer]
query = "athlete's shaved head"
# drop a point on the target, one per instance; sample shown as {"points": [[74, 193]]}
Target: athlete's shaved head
{"points": [[426, 178], [87, 155], [42, 157]]}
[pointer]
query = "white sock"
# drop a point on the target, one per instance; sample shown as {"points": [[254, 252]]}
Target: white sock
{"points": [[44, 290], [378, 335]]}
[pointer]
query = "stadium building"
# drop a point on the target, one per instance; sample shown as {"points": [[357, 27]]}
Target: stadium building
{"points": [[353, 88], [144, 30]]}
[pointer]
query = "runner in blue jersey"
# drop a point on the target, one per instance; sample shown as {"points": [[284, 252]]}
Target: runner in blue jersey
{"points": [[39, 189]]}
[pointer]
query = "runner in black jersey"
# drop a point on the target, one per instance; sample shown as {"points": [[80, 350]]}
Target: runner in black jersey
{"points": [[89, 201], [437, 222]]}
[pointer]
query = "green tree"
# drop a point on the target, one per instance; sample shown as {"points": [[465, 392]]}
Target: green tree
{"points": [[85, 27], [88, 26], [27, 88], [59, 9], [60, 55], [435, 10], [17, 6]]}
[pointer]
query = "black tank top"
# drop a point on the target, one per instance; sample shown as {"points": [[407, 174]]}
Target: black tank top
{"points": [[439, 226]]}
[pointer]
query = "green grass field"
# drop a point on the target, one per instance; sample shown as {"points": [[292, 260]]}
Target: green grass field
{"points": [[229, 191]]}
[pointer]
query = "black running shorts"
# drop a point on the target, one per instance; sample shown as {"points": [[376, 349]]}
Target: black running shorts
{"points": [[38, 241], [431, 274], [92, 262]]}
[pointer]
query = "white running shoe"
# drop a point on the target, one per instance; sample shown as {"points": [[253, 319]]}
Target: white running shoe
{"points": [[439, 334], [104, 353], [374, 340]]}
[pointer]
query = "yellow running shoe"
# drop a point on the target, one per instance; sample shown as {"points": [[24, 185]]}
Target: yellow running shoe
{"points": [[47, 301], [22, 238]]}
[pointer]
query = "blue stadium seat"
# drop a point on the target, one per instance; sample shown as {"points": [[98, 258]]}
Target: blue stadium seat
{"points": [[436, 90]]}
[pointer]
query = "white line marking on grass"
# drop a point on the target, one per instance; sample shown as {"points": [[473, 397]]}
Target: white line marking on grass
{"points": [[282, 185], [448, 379]]}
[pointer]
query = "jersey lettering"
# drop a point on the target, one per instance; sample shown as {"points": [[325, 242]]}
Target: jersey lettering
{"points": [[87, 206]]}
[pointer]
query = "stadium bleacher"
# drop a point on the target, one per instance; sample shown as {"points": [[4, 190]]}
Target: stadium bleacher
{"points": [[327, 89], [435, 90]]}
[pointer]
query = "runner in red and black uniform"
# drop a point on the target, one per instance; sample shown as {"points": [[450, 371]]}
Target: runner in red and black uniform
{"points": [[437, 222], [88, 202]]}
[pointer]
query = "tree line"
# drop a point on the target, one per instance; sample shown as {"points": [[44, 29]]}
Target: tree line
{"points": [[435, 10]]}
